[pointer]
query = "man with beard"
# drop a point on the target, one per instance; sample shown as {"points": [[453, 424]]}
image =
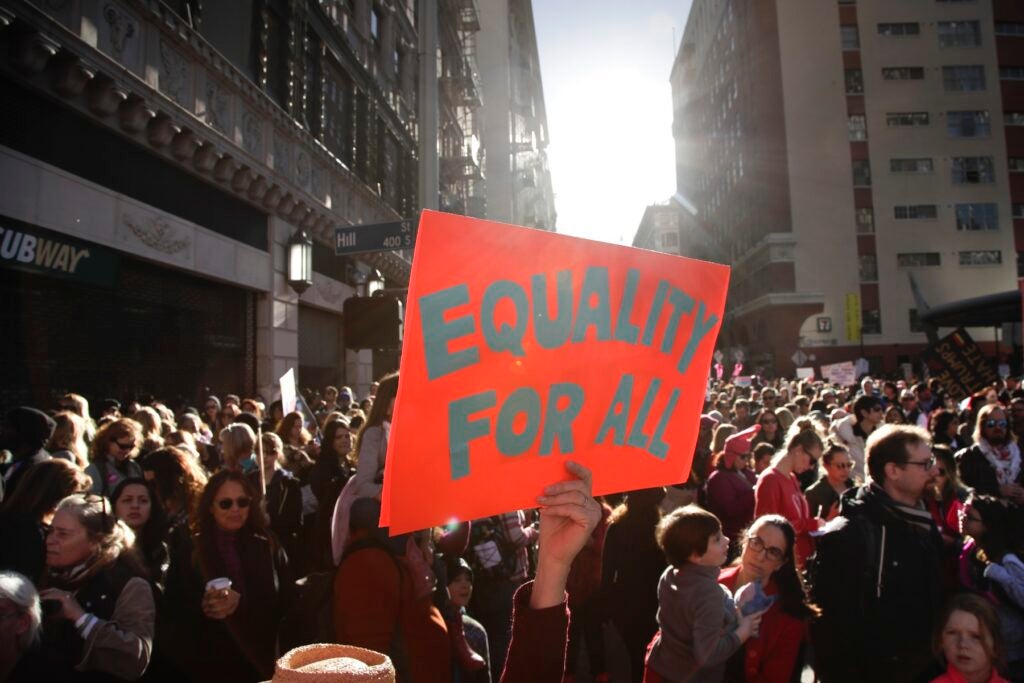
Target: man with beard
{"points": [[992, 465]]}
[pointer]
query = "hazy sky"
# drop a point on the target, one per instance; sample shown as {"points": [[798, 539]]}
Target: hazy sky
{"points": [[605, 66]]}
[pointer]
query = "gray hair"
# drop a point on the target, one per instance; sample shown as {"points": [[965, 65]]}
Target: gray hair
{"points": [[20, 591], [111, 535]]}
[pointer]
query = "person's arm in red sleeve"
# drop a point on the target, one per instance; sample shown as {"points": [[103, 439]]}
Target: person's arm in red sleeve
{"points": [[455, 542], [768, 497], [540, 618], [778, 654]]}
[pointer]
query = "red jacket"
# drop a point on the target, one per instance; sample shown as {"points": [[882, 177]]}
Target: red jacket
{"points": [[779, 494], [539, 636], [771, 656]]}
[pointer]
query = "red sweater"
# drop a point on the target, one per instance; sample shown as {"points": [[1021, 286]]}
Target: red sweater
{"points": [[539, 636], [779, 494], [771, 656]]}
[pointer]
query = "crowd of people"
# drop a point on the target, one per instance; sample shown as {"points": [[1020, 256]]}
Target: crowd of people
{"points": [[867, 532]]}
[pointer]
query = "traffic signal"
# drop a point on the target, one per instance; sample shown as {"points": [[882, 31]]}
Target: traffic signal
{"points": [[372, 322]]}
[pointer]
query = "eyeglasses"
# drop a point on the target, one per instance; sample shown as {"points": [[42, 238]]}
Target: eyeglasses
{"points": [[755, 543], [125, 446], [996, 423], [925, 464], [227, 503]]}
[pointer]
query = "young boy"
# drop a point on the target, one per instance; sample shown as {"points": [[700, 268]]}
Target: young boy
{"points": [[700, 626]]}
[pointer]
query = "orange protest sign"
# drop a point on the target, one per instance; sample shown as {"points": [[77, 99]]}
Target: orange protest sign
{"points": [[523, 348]]}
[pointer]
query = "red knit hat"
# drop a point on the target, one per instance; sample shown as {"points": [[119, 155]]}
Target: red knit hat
{"points": [[738, 444]]}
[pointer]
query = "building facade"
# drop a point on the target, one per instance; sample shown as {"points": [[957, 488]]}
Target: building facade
{"points": [[835, 151], [515, 129], [157, 157]]}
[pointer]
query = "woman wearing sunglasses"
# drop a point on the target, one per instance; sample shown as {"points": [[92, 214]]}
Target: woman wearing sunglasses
{"points": [[113, 455], [992, 466], [824, 493], [234, 627], [768, 556]]}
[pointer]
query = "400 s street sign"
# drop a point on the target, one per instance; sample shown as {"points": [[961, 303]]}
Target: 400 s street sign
{"points": [[360, 239]]}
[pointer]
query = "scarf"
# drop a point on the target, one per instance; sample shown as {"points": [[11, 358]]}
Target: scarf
{"points": [[230, 557], [71, 578], [1005, 461], [916, 516]]}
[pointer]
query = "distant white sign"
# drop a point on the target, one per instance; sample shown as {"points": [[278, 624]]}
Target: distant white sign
{"points": [[843, 374], [805, 373], [288, 393]]}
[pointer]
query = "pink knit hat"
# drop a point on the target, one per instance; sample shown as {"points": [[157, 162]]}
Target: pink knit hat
{"points": [[738, 444]]}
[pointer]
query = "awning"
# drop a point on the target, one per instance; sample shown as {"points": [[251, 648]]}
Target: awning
{"points": [[982, 311]]}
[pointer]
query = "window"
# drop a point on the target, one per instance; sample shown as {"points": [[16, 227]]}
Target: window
{"points": [[918, 259], [915, 321], [854, 81], [968, 124], [849, 37], [911, 165], [981, 257], [963, 78], [902, 29], [1020, 264], [915, 212], [903, 73], [1009, 28], [865, 221], [959, 34], [972, 170], [977, 217], [858, 127], [670, 239], [1016, 164], [867, 267], [1013, 118], [375, 23], [1018, 210], [861, 173], [909, 118], [870, 321], [1011, 73]]}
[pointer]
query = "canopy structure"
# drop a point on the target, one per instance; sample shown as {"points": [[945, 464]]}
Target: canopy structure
{"points": [[982, 311]]}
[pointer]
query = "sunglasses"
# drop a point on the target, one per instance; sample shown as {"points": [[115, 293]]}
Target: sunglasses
{"points": [[228, 503], [996, 423], [125, 446]]}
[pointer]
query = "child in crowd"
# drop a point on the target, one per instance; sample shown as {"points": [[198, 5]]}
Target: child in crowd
{"points": [[969, 641], [700, 627]]}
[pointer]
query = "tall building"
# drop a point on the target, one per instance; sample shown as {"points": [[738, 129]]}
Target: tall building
{"points": [[659, 229], [834, 149], [515, 128], [158, 158]]}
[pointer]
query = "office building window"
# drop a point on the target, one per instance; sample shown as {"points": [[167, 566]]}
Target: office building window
{"points": [[907, 118], [1016, 164], [1010, 28], [861, 173], [375, 23], [911, 165], [968, 124], [669, 240], [1013, 118], [915, 321], [1018, 210], [903, 73], [977, 217], [854, 81], [867, 268], [858, 127], [1020, 264], [981, 257], [850, 37], [963, 78], [973, 170], [900, 29], [1011, 73], [915, 212], [959, 33], [865, 221], [919, 259], [870, 321]]}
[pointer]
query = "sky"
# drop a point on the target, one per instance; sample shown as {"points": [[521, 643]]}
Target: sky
{"points": [[605, 66]]}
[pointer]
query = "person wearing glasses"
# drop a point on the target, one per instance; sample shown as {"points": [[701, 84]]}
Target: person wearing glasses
{"points": [[778, 489], [771, 431], [877, 571], [769, 556], [99, 610], [854, 430], [113, 455], [824, 494], [232, 623], [992, 466]]}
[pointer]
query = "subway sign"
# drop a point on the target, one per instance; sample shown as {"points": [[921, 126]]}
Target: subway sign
{"points": [[33, 249]]}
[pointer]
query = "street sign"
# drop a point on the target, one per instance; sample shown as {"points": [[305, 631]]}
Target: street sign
{"points": [[798, 358], [361, 239]]}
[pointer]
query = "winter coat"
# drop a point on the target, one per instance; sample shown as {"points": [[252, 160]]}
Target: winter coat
{"points": [[877, 580], [731, 499], [849, 432], [976, 472]]}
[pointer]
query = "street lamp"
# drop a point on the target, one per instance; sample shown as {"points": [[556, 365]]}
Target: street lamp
{"points": [[300, 261], [374, 282]]}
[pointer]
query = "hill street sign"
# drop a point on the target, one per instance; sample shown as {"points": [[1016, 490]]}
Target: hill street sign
{"points": [[361, 239]]}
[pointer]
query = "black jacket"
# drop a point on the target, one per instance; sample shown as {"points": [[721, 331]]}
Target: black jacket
{"points": [[877, 579], [976, 472]]}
